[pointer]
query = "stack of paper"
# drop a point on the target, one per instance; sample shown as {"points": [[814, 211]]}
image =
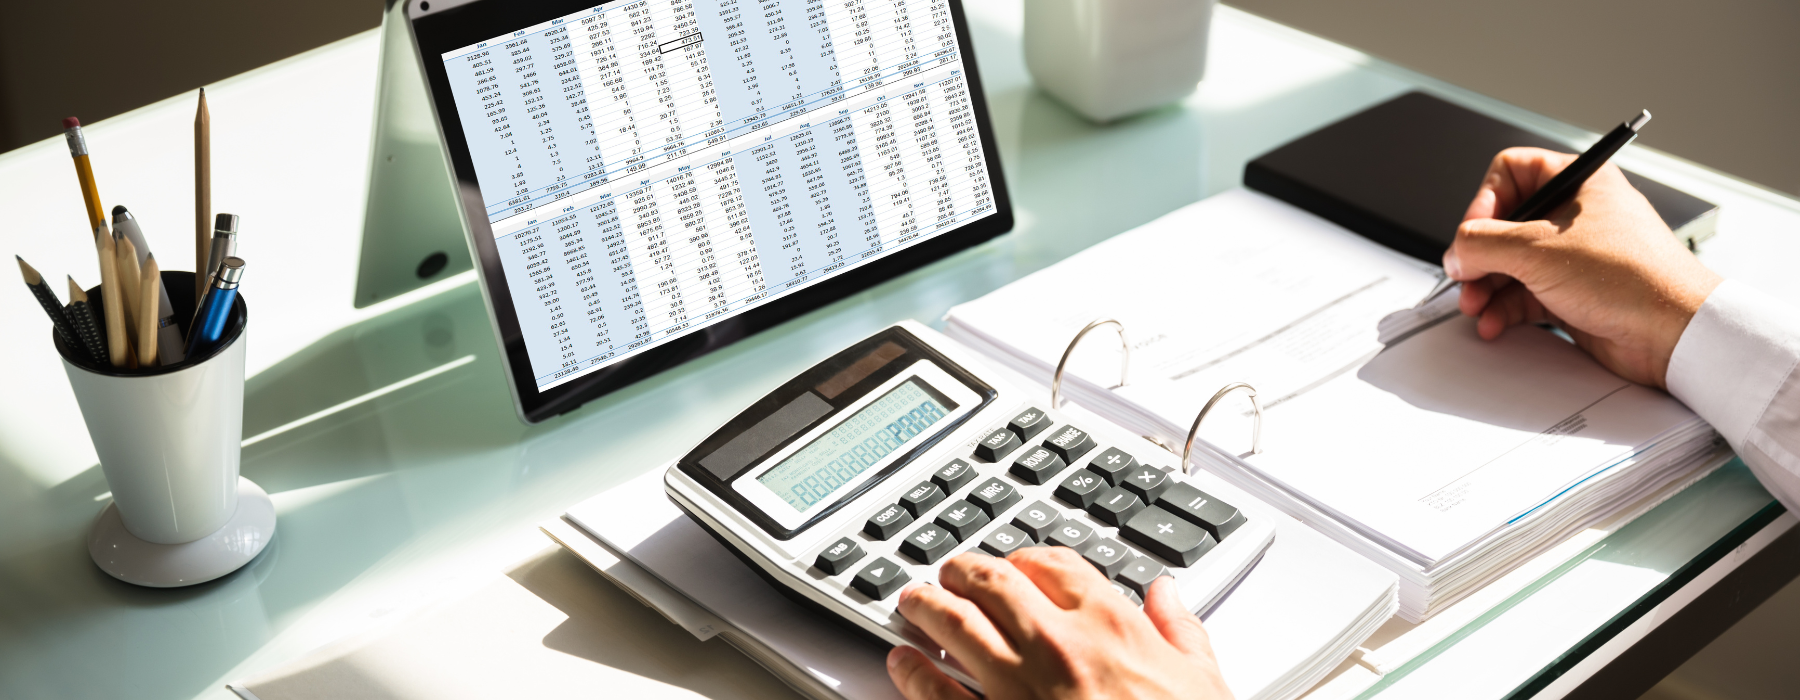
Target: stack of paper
{"points": [[1447, 459], [1302, 609]]}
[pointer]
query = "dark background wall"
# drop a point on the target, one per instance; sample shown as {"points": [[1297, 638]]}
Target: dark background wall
{"points": [[1722, 77], [96, 58]]}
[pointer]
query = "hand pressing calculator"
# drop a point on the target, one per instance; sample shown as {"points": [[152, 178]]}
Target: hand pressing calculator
{"points": [[863, 473]]}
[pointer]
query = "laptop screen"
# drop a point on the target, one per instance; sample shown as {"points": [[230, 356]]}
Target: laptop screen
{"points": [[651, 168]]}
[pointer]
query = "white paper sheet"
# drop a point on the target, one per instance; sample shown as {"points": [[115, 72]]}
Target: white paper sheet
{"points": [[1425, 446]]}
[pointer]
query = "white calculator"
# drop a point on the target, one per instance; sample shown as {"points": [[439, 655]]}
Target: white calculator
{"points": [[863, 473]]}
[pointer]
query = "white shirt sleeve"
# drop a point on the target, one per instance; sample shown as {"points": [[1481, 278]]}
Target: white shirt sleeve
{"points": [[1735, 365]]}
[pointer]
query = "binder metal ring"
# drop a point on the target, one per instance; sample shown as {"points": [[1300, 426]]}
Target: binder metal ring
{"points": [[1124, 365], [1194, 432]]}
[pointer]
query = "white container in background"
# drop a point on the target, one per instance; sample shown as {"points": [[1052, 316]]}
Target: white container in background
{"points": [[1108, 59]]}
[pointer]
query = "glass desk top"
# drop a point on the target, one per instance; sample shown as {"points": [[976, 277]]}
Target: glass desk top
{"points": [[389, 444]]}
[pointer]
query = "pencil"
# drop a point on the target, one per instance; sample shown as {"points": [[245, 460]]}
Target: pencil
{"points": [[118, 344], [84, 171], [130, 279], [81, 316], [47, 299], [202, 196], [149, 296]]}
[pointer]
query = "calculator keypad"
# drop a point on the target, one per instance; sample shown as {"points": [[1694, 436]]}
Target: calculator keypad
{"points": [[928, 544], [1038, 465], [953, 476], [994, 496], [921, 498], [887, 522], [997, 445], [880, 579], [1005, 540], [962, 519], [1037, 520], [1131, 520], [837, 558]]}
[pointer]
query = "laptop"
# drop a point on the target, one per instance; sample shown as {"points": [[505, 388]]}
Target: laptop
{"points": [[643, 182]]}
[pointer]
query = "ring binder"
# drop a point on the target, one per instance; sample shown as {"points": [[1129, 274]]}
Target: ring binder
{"points": [[1194, 432], [1124, 365]]}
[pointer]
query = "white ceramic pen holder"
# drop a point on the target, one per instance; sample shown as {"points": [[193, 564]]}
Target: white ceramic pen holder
{"points": [[168, 441], [1108, 59]]}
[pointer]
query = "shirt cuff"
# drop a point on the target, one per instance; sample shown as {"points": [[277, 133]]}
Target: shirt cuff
{"points": [[1734, 355]]}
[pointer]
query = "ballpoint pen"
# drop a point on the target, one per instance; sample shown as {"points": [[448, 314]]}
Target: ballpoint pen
{"points": [[1562, 188], [224, 242], [215, 308]]}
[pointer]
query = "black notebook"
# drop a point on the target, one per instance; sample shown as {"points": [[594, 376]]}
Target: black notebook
{"points": [[1401, 173]]}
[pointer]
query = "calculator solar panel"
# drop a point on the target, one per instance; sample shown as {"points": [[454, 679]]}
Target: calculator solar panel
{"points": [[644, 181]]}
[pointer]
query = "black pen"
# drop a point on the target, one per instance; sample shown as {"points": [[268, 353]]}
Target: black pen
{"points": [[1562, 188]]}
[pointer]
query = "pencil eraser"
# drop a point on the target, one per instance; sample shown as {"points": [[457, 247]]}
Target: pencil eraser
{"points": [[71, 122]]}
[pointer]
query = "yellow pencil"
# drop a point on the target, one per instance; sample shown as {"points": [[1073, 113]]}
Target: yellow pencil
{"points": [[118, 345], [84, 171], [202, 196], [130, 280], [150, 298]]}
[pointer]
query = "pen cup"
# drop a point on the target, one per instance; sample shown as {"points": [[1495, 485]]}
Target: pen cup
{"points": [[169, 441]]}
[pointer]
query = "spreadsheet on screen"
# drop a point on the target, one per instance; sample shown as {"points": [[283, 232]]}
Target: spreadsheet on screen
{"points": [[651, 167]]}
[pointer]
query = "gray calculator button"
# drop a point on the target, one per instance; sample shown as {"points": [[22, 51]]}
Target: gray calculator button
{"points": [[1038, 466], [1108, 556], [921, 498], [1147, 482], [997, 445], [962, 519], [1069, 443], [885, 523], [880, 579], [1139, 573], [1037, 519], [1112, 465], [1028, 424], [1005, 540], [837, 558], [1167, 536], [994, 496], [1069, 533], [1115, 506], [953, 476], [1080, 488], [1129, 594], [928, 544], [1198, 507]]}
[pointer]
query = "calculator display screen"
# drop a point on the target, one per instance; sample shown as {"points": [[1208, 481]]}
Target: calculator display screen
{"points": [[811, 475]]}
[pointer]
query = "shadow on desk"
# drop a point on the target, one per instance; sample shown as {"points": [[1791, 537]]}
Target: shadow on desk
{"points": [[551, 628]]}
